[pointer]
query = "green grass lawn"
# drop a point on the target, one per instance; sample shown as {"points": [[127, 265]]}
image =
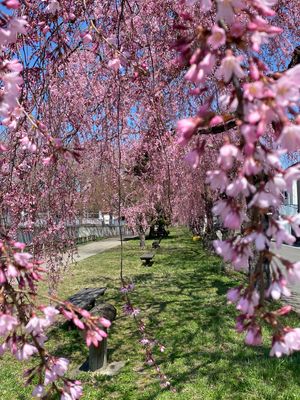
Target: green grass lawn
{"points": [[182, 300]]}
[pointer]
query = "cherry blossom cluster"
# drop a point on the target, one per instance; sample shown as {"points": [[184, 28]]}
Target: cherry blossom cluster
{"points": [[249, 178], [10, 111], [23, 325]]}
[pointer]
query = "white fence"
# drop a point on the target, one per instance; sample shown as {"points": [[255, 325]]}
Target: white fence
{"points": [[80, 233]]}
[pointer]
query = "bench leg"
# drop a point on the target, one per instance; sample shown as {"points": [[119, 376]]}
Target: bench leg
{"points": [[98, 356]]}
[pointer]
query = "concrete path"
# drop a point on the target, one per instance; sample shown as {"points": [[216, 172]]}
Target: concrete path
{"points": [[293, 254], [93, 248]]}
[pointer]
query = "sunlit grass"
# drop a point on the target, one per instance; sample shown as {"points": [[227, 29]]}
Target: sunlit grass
{"points": [[182, 300]]}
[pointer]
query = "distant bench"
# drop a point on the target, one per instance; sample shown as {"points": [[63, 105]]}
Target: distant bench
{"points": [[147, 258]]}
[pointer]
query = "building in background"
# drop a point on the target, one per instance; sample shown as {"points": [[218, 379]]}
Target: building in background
{"points": [[291, 205]]}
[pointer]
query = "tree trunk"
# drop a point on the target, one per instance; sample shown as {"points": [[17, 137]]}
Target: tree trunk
{"points": [[142, 240]]}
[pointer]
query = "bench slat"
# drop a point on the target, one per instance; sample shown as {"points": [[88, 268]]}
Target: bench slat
{"points": [[147, 256], [86, 298]]}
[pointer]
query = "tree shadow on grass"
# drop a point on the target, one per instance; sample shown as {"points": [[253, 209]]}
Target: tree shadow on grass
{"points": [[183, 302]]}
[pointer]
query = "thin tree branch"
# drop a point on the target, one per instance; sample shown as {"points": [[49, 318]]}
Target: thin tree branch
{"points": [[231, 124]]}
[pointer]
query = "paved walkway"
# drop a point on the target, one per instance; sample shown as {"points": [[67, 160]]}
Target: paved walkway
{"points": [[93, 248], [293, 254]]}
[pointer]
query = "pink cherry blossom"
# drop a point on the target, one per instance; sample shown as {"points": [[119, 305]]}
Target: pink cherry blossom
{"points": [[19, 245], [278, 288], [295, 224], [216, 120], [105, 322], [58, 368], [292, 339], [114, 64], [265, 6], [240, 327], [240, 185], [7, 323], [253, 336], [261, 241], [3, 278], [286, 91], [186, 128], [231, 67], [254, 71], [13, 4], [240, 259], [291, 174], [251, 166], [224, 249], [225, 9], [78, 323], [280, 234], [217, 38], [279, 348], [52, 7], [217, 179], [233, 219], [264, 199], [193, 158], [36, 325], [72, 391], [87, 38], [254, 90], [293, 272], [192, 73], [93, 337], [13, 65], [205, 67], [205, 5], [18, 25], [25, 352], [50, 313], [50, 376], [22, 259], [290, 138], [233, 295], [12, 271], [228, 153], [38, 391], [293, 75], [248, 303]]}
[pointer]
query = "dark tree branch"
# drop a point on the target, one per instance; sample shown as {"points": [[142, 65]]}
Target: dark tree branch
{"points": [[231, 124], [295, 58], [226, 126]]}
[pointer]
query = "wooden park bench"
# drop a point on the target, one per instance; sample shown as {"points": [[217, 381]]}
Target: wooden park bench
{"points": [[147, 258], [86, 298]]}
